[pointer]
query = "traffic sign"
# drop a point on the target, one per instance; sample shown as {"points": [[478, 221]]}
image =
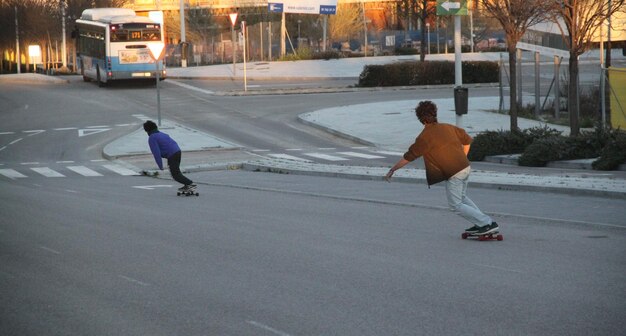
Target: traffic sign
{"points": [[452, 7], [233, 18], [303, 6], [275, 7]]}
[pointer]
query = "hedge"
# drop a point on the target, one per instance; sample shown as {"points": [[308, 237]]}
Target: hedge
{"points": [[426, 73]]}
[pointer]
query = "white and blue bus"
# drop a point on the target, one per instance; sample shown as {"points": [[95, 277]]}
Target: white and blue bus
{"points": [[113, 44]]}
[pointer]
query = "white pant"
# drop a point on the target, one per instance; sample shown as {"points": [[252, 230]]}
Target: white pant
{"points": [[456, 189]]}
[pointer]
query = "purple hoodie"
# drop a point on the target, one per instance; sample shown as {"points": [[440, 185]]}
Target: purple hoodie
{"points": [[162, 146]]}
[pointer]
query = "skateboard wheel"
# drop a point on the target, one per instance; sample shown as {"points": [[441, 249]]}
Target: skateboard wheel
{"points": [[464, 235], [500, 237]]}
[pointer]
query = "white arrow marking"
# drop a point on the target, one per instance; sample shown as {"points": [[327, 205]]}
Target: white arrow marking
{"points": [[451, 5], [152, 187], [85, 132]]}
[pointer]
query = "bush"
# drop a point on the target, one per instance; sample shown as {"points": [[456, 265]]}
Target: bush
{"points": [[506, 142], [326, 55], [613, 154], [553, 148], [426, 73]]}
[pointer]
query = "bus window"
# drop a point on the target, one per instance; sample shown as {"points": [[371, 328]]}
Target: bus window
{"points": [[149, 35]]}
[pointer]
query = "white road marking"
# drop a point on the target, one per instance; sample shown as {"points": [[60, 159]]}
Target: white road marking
{"points": [[120, 170], [47, 172], [499, 268], [3, 148], [141, 283], [29, 163], [82, 170], [33, 132], [327, 148], [288, 157], [15, 141], [267, 328], [65, 129], [6, 133], [50, 250], [389, 153], [90, 131], [293, 149], [152, 187], [99, 160], [191, 87], [12, 174], [361, 155], [260, 150], [326, 157], [102, 126], [65, 161]]}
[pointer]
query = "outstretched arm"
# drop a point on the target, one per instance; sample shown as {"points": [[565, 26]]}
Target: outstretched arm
{"points": [[156, 152], [401, 163]]}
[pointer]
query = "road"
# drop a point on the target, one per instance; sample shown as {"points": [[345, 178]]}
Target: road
{"points": [[270, 254]]}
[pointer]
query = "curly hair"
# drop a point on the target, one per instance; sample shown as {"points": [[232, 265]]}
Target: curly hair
{"points": [[426, 112], [150, 126]]}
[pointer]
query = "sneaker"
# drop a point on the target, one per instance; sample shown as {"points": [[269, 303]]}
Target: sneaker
{"points": [[473, 229], [487, 229]]}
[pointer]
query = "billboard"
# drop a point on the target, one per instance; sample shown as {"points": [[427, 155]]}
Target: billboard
{"points": [[303, 6]]}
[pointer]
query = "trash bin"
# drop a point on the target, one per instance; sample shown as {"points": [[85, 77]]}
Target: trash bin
{"points": [[460, 100]]}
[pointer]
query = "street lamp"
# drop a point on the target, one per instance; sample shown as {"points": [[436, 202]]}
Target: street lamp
{"points": [[299, 21]]}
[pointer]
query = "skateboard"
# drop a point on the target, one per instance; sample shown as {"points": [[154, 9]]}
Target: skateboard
{"points": [[191, 192], [482, 237]]}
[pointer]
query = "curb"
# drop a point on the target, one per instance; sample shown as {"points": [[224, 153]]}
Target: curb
{"points": [[268, 167]]}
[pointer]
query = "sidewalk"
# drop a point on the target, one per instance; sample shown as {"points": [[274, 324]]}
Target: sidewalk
{"points": [[388, 126]]}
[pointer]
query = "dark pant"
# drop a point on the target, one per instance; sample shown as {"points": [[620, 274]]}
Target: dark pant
{"points": [[174, 163]]}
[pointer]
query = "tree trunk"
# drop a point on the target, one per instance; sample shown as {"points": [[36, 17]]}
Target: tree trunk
{"points": [[572, 99], [423, 40], [513, 88]]}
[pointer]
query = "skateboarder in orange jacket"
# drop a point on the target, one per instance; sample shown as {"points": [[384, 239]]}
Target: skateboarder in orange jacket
{"points": [[444, 148]]}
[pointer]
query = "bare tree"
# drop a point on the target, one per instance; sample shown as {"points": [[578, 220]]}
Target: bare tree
{"points": [[579, 21], [346, 23], [515, 16], [419, 10]]}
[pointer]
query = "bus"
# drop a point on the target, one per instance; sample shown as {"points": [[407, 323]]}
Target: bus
{"points": [[113, 44]]}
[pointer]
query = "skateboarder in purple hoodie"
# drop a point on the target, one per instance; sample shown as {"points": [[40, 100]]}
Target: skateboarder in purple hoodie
{"points": [[162, 146], [444, 148]]}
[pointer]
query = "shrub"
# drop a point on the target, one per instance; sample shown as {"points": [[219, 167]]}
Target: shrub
{"points": [[426, 73], [507, 142], [613, 154], [585, 146], [326, 55], [542, 151]]}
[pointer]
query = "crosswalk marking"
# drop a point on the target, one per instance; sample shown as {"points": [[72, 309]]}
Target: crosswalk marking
{"points": [[120, 170], [361, 155], [82, 170], [47, 172], [326, 157], [57, 171], [288, 157], [12, 174]]}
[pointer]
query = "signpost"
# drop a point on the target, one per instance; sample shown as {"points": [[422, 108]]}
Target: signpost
{"points": [[156, 51], [456, 8], [302, 7], [233, 21]]}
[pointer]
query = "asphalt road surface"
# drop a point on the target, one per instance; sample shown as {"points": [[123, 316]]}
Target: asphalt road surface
{"points": [[92, 250]]}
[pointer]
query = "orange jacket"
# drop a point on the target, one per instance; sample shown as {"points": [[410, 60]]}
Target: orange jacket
{"points": [[441, 145]]}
